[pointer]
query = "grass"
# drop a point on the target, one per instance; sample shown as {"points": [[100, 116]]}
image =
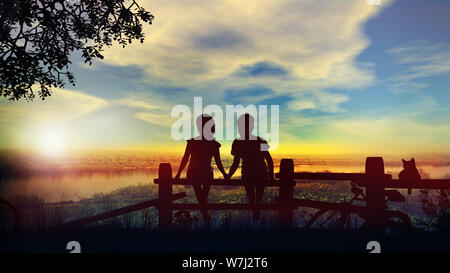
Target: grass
{"points": [[38, 215]]}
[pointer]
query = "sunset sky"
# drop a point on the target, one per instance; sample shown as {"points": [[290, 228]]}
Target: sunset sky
{"points": [[349, 78]]}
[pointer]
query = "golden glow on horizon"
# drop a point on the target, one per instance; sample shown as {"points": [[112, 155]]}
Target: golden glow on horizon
{"points": [[313, 148]]}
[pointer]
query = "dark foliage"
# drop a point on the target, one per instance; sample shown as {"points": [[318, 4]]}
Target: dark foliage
{"points": [[437, 209], [37, 37]]}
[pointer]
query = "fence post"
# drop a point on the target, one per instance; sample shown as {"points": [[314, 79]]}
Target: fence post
{"points": [[164, 196], [286, 192], [375, 197]]}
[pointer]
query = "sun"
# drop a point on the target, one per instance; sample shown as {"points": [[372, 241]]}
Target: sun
{"points": [[51, 143]]}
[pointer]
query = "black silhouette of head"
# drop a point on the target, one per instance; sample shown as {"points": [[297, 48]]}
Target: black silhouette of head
{"points": [[206, 126], [245, 124]]}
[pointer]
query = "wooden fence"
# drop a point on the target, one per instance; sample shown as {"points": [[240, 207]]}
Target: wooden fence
{"points": [[374, 180]]}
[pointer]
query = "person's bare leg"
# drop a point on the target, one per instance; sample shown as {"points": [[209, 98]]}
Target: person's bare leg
{"points": [[202, 200], [206, 189], [250, 189], [200, 197], [259, 195], [198, 192], [205, 193]]}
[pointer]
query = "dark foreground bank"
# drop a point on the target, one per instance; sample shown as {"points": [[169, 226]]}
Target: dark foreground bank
{"points": [[268, 241]]}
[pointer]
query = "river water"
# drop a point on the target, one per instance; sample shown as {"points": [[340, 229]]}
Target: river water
{"points": [[74, 185]]}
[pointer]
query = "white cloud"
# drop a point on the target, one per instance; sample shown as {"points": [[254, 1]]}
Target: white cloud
{"points": [[136, 102], [421, 60], [62, 106], [153, 118], [391, 129], [203, 42], [318, 100], [151, 109]]}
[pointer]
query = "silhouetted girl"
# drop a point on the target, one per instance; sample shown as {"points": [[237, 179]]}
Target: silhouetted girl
{"points": [[201, 149], [254, 153]]}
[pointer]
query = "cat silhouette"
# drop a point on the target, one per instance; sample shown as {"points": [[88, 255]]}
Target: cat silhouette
{"points": [[409, 172]]}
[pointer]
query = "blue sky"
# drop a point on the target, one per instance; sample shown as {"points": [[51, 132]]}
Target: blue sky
{"points": [[349, 77]]}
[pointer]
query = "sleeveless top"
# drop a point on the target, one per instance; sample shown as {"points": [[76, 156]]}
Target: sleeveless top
{"points": [[202, 151]]}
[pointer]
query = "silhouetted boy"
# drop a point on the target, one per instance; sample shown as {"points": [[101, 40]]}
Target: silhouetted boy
{"points": [[201, 149], [254, 153]]}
